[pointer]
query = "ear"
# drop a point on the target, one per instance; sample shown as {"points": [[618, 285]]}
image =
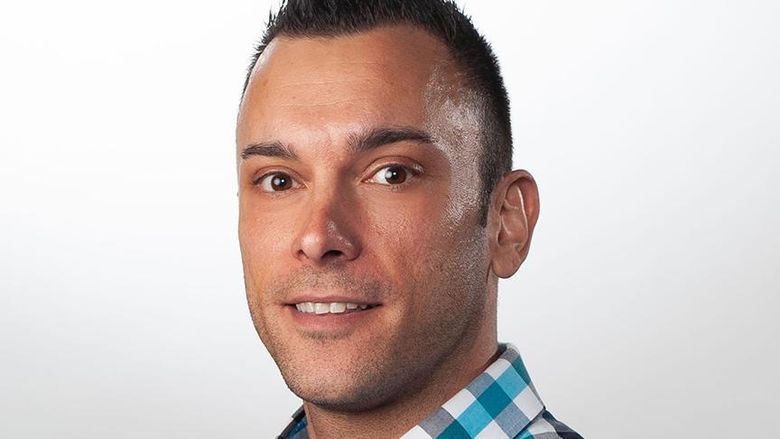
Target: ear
{"points": [[513, 214]]}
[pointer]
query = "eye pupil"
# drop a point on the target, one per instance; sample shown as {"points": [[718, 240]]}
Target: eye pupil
{"points": [[395, 175], [280, 182]]}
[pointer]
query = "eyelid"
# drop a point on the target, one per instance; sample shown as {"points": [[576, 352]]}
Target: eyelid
{"points": [[415, 170], [264, 174]]}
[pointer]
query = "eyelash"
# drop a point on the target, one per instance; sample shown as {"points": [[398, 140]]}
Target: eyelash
{"points": [[413, 171], [259, 181]]}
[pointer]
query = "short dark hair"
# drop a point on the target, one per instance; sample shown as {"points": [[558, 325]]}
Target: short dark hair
{"points": [[444, 20]]}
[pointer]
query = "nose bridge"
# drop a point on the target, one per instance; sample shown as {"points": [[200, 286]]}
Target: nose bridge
{"points": [[327, 231]]}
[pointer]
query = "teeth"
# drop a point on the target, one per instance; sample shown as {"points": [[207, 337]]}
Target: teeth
{"points": [[338, 308], [328, 308]]}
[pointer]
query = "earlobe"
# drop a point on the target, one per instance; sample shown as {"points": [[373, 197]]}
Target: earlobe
{"points": [[516, 209]]}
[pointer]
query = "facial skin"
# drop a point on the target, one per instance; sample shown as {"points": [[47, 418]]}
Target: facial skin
{"points": [[358, 182]]}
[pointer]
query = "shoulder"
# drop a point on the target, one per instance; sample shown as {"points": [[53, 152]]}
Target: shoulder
{"points": [[545, 426]]}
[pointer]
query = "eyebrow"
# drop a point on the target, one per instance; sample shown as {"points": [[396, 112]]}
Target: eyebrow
{"points": [[377, 137], [268, 149], [357, 143]]}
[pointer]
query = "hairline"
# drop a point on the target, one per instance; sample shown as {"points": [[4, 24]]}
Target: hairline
{"points": [[461, 70]]}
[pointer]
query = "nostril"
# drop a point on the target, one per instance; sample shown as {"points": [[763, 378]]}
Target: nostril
{"points": [[318, 245], [332, 254]]}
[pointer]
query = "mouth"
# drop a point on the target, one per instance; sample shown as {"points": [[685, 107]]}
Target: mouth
{"points": [[325, 308]]}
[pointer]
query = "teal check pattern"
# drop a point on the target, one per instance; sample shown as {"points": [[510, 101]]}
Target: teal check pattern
{"points": [[499, 403]]}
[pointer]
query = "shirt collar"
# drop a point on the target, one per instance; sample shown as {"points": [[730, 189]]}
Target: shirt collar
{"points": [[501, 399]]}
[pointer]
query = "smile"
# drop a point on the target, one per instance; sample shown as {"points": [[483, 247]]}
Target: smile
{"points": [[331, 307]]}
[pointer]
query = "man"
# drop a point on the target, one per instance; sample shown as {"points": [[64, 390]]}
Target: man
{"points": [[377, 211]]}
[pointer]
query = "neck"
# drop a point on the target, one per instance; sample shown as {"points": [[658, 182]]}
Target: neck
{"points": [[393, 419]]}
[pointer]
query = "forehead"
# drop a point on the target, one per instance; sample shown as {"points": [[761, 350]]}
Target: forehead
{"points": [[327, 86]]}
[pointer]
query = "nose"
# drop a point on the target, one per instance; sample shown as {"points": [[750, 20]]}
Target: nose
{"points": [[328, 231]]}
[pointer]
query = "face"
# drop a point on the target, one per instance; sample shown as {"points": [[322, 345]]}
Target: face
{"points": [[365, 265]]}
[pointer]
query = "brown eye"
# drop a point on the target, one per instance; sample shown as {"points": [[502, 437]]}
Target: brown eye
{"points": [[277, 182], [391, 175], [395, 175]]}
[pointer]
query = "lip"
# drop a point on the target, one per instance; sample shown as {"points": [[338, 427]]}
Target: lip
{"points": [[331, 324]]}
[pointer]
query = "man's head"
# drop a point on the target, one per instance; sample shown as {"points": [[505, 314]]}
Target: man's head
{"points": [[371, 137]]}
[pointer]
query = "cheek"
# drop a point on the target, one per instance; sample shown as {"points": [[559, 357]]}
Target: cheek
{"points": [[264, 240], [414, 237], [437, 249]]}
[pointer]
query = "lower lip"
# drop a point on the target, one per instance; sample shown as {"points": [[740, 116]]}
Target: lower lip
{"points": [[325, 323]]}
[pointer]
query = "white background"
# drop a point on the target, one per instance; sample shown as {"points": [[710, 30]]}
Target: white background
{"points": [[648, 305]]}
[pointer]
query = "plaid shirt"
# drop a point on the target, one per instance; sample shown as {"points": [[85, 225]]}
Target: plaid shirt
{"points": [[499, 403]]}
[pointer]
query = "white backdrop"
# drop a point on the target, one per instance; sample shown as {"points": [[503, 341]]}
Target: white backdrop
{"points": [[648, 304]]}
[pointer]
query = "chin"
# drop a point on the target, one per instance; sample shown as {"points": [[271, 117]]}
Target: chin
{"points": [[347, 401], [339, 391]]}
